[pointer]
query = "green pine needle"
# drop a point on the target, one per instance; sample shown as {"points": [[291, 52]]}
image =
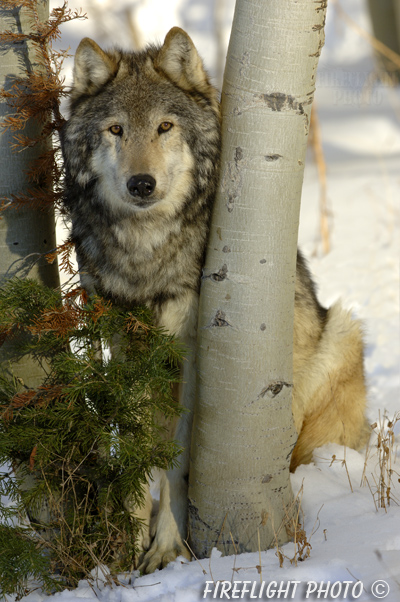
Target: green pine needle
{"points": [[85, 441]]}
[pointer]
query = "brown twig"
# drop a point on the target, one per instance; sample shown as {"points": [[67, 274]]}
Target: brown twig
{"points": [[375, 43], [316, 144]]}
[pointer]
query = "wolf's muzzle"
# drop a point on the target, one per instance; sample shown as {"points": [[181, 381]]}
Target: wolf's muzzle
{"points": [[142, 185]]}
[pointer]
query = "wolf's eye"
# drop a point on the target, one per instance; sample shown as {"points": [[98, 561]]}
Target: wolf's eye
{"points": [[165, 126], [116, 130]]}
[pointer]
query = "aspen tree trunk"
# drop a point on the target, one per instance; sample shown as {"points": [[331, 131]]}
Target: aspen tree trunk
{"points": [[25, 234], [385, 17], [243, 432]]}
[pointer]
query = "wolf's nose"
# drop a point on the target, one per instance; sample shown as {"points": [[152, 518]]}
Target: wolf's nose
{"points": [[141, 185]]}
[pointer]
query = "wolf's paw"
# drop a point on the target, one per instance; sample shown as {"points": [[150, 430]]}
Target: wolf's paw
{"points": [[143, 546], [160, 555]]}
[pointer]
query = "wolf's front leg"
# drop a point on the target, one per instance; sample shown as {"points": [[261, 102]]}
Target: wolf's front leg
{"points": [[144, 515], [171, 523]]}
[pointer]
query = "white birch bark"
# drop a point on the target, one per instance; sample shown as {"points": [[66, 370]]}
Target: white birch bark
{"points": [[25, 234], [243, 430]]}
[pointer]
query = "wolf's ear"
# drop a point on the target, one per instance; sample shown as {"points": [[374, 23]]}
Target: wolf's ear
{"points": [[92, 67], [180, 61]]}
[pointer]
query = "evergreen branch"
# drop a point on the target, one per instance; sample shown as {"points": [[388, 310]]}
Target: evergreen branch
{"points": [[88, 436]]}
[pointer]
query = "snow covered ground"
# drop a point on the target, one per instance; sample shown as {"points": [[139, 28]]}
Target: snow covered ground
{"points": [[352, 540]]}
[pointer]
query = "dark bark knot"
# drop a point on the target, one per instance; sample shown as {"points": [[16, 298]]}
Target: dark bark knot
{"points": [[219, 320], [218, 276], [231, 180], [321, 5], [278, 101], [273, 389], [238, 154], [221, 274]]}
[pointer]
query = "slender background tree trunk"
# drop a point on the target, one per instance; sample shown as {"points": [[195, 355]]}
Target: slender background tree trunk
{"points": [[25, 234], [243, 431], [385, 17]]}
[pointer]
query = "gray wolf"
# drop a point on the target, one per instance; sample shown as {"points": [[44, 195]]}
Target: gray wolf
{"points": [[142, 152]]}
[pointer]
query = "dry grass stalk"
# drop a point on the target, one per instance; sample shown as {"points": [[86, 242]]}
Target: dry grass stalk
{"points": [[316, 143], [259, 569], [68, 538], [294, 525], [386, 472], [197, 560], [375, 43], [344, 463]]}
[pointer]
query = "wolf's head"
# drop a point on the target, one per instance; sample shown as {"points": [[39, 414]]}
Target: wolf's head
{"points": [[177, 58], [144, 126]]}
